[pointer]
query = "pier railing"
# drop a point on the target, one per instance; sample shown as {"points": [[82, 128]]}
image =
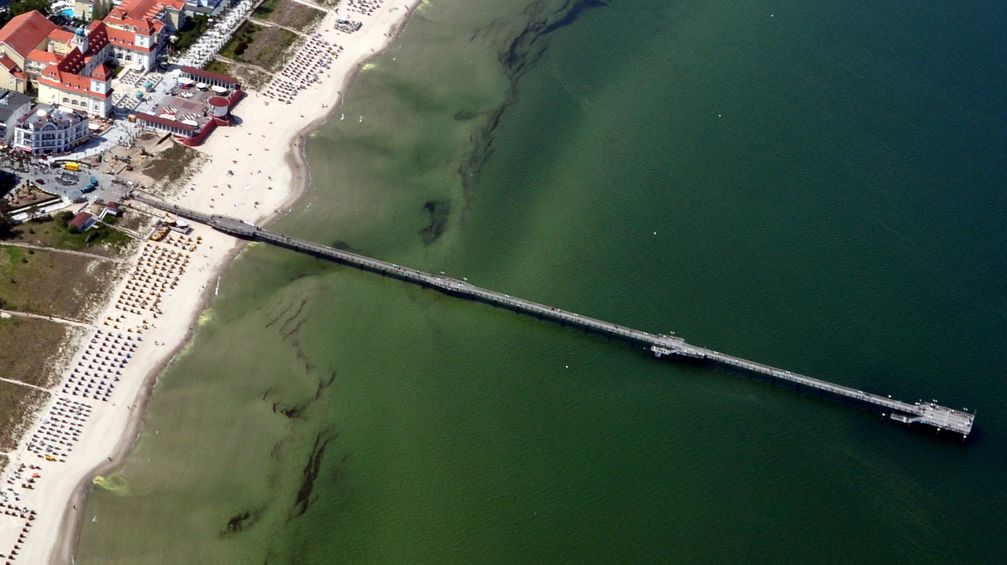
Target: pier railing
{"points": [[931, 414]]}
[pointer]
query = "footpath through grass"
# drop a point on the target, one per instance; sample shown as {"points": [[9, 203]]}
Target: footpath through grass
{"points": [[259, 45], [55, 232], [29, 349], [215, 66], [289, 13], [54, 284], [16, 404], [250, 77]]}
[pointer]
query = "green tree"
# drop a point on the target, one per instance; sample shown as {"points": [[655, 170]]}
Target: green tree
{"points": [[100, 9], [6, 224], [18, 7]]}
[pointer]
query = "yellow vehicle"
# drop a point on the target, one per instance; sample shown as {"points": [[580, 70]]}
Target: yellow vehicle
{"points": [[72, 166]]}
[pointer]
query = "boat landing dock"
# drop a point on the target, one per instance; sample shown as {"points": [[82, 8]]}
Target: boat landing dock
{"points": [[933, 415]]}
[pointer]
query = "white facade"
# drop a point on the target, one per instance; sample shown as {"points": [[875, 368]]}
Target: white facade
{"points": [[133, 59], [13, 108], [50, 130], [99, 107]]}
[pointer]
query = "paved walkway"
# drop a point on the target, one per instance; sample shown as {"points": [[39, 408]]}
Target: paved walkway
{"points": [[314, 5], [13, 382], [932, 414], [239, 64], [131, 233], [265, 23], [66, 251], [121, 133], [70, 185]]}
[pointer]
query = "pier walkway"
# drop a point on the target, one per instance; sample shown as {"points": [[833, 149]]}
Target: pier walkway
{"points": [[930, 414]]}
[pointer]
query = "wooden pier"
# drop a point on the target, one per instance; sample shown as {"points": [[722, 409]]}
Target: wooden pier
{"points": [[930, 414]]}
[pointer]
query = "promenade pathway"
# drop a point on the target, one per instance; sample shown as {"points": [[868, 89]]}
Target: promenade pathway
{"points": [[94, 256], [65, 321], [931, 414]]}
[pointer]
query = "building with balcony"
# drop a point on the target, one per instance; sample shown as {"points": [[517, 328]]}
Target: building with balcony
{"points": [[50, 130], [73, 68]]}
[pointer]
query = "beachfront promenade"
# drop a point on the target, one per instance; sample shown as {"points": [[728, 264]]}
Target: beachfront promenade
{"points": [[930, 414]]}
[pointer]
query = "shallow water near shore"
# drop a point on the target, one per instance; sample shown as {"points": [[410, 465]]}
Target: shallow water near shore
{"points": [[815, 187]]}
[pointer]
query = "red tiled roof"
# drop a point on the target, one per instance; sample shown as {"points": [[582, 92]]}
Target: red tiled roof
{"points": [[80, 220], [8, 63], [26, 31], [124, 39], [140, 9], [69, 82], [72, 62], [143, 27], [97, 38], [101, 72], [62, 36], [64, 74], [45, 57]]}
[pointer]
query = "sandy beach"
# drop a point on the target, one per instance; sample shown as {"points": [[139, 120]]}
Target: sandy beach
{"points": [[155, 309]]}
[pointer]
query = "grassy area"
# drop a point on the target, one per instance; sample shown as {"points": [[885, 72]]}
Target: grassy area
{"points": [[266, 8], [16, 404], [168, 165], [240, 41], [289, 13], [133, 220], [215, 66], [190, 32], [36, 364], [100, 240], [55, 284], [259, 45], [251, 78]]}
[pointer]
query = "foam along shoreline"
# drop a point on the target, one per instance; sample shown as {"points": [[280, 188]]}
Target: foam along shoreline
{"points": [[158, 311]]}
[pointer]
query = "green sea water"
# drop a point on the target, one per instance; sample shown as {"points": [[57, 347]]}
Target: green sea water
{"points": [[819, 186]]}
